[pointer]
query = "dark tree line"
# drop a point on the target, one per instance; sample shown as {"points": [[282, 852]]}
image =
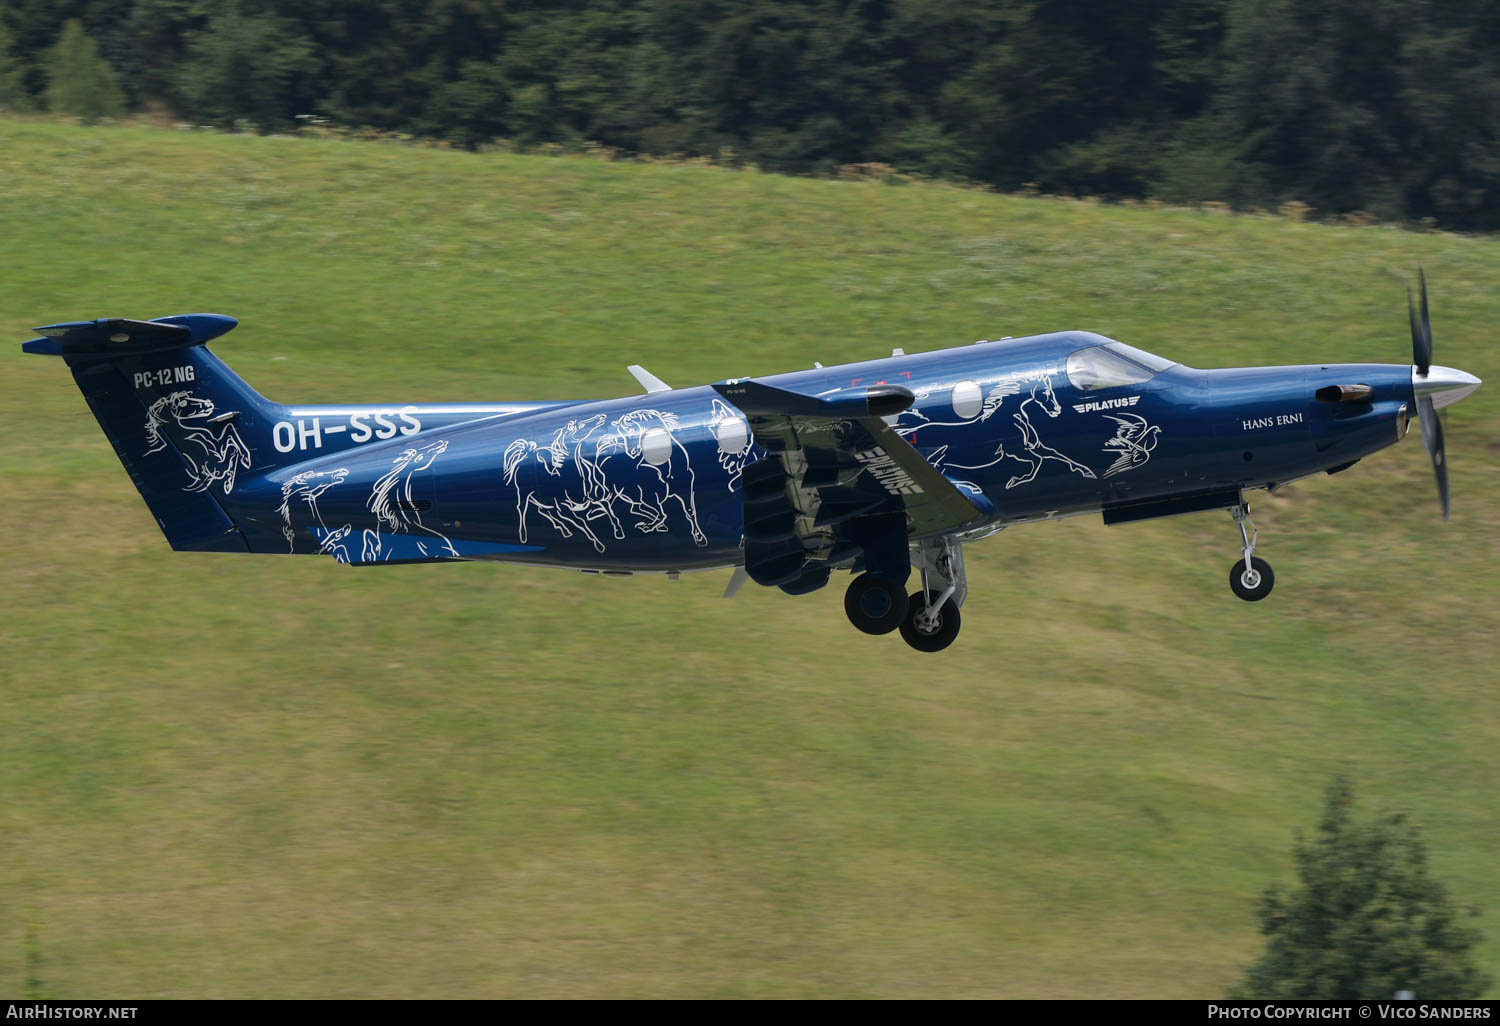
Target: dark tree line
{"points": [[1383, 106]]}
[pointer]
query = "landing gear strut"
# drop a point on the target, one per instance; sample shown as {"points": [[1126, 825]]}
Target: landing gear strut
{"points": [[932, 620], [1251, 578]]}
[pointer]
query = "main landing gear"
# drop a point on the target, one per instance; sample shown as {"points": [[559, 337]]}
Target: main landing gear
{"points": [[876, 604], [928, 619], [1251, 578]]}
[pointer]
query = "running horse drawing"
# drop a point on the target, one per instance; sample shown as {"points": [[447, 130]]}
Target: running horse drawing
{"points": [[659, 468], [307, 486], [224, 452], [395, 508], [1026, 445], [577, 485]]}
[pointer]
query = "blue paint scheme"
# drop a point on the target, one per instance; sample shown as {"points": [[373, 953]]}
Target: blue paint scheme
{"points": [[657, 482]]}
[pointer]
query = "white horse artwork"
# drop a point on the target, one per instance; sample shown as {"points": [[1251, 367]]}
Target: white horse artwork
{"points": [[224, 452], [912, 420], [659, 474], [307, 486], [1024, 444], [394, 508], [574, 489], [333, 543], [735, 440]]}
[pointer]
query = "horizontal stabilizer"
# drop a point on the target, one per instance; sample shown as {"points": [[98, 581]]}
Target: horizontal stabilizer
{"points": [[111, 337]]}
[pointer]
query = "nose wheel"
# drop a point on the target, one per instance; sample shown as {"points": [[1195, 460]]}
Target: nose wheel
{"points": [[1252, 583], [1251, 578], [931, 622]]}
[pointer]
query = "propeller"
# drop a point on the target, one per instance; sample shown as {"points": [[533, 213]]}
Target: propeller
{"points": [[1421, 358]]}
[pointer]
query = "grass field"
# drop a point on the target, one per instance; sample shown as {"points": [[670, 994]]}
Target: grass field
{"points": [[264, 777]]}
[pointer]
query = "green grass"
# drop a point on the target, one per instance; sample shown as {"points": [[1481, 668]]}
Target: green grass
{"points": [[265, 777]]}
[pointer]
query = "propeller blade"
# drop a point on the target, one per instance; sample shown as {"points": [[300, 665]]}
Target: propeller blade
{"points": [[1432, 438], [1421, 333], [1427, 321], [1416, 332]]}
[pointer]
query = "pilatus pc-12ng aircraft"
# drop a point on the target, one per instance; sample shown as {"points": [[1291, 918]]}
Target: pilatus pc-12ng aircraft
{"points": [[876, 468]]}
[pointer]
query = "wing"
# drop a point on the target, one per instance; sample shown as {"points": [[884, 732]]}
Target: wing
{"points": [[833, 461]]}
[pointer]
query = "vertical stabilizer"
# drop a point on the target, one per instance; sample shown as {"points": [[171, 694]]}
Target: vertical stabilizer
{"points": [[184, 425]]}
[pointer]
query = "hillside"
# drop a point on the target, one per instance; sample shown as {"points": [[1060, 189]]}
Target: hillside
{"points": [[285, 778]]}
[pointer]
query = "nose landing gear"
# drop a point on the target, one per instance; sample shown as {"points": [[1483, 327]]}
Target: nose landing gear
{"points": [[931, 622], [1251, 578], [932, 618]]}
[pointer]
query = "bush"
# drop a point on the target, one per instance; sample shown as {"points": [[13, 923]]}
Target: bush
{"points": [[1367, 921]]}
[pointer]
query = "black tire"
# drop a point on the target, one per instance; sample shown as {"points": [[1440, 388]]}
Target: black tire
{"points": [[941, 634], [875, 604], [1255, 590]]}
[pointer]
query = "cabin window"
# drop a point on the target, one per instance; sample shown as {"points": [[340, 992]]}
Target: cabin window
{"points": [[1097, 367]]}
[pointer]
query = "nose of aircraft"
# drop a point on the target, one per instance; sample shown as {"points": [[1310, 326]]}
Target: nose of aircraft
{"points": [[1443, 385]]}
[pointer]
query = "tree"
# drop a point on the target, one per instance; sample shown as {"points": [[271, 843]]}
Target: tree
{"points": [[80, 83], [1389, 106], [13, 94], [248, 65], [471, 110], [423, 66], [1367, 921]]}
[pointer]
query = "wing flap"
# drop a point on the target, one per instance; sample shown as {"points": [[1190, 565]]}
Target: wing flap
{"points": [[834, 468]]}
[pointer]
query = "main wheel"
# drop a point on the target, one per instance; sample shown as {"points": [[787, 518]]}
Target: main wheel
{"points": [[1253, 584], [875, 604], [932, 635]]}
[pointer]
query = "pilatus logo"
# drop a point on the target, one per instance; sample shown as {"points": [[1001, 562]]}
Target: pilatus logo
{"points": [[1107, 404], [888, 473]]}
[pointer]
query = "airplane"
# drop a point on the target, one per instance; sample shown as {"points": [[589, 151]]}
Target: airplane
{"points": [[878, 468]]}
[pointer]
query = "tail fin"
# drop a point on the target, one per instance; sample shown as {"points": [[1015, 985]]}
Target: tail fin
{"points": [[176, 415]]}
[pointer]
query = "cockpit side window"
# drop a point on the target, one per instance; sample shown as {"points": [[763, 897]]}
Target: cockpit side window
{"points": [[1095, 368]]}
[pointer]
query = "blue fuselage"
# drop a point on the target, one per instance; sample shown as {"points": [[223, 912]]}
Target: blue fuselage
{"points": [[652, 482]]}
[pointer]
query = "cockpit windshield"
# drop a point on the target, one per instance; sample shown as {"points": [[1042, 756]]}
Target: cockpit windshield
{"points": [[1149, 360], [1113, 365]]}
